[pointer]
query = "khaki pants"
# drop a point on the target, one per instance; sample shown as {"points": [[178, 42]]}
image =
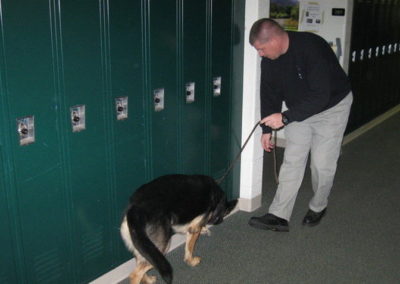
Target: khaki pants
{"points": [[322, 135]]}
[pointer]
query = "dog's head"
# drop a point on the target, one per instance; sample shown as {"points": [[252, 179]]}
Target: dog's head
{"points": [[223, 208]]}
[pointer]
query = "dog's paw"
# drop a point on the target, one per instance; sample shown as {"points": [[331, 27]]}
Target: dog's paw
{"points": [[193, 261]]}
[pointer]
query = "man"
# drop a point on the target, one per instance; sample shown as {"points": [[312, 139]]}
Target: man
{"points": [[301, 69]]}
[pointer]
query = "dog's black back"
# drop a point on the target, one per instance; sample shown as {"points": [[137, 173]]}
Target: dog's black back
{"points": [[178, 197], [169, 202]]}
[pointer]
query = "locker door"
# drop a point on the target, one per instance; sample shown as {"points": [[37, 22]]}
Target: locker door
{"points": [[369, 72], [396, 61], [363, 62], [194, 69], [387, 60], [392, 56], [221, 66], [378, 106], [354, 76], [163, 57], [37, 190], [359, 40], [89, 163], [8, 272], [127, 81]]}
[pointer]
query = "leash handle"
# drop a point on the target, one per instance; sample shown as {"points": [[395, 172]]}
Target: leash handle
{"points": [[275, 133], [238, 155]]}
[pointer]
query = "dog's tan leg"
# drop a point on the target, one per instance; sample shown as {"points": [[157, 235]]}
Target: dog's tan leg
{"points": [[139, 273], [191, 239]]}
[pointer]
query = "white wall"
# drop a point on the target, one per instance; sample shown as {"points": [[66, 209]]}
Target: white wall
{"points": [[252, 156]]}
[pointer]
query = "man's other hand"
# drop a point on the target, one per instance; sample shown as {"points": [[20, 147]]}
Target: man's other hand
{"points": [[266, 142]]}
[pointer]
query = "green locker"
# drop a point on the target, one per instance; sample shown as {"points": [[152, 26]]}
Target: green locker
{"points": [[194, 68], [237, 57], [129, 135], [221, 50], [36, 189], [162, 64], [8, 268], [91, 179]]}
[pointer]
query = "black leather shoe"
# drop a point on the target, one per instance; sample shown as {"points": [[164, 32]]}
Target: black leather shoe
{"points": [[313, 218], [269, 222]]}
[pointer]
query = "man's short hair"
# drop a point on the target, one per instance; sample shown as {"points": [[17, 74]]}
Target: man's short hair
{"points": [[263, 29]]}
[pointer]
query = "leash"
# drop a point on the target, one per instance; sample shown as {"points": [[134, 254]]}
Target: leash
{"points": [[220, 180], [238, 155], [274, 157]]}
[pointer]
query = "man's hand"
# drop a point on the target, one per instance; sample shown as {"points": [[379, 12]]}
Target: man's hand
{"points": [[274, 121], [266, 142]]}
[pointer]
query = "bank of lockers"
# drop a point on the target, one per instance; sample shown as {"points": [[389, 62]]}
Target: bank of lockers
{"points": [[98, 97]]}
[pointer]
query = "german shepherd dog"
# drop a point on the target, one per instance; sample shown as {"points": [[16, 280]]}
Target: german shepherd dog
{"points": [[170, 204]]}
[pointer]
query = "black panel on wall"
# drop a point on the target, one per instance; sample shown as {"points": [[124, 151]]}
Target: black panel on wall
{"points": [[375, 59]]}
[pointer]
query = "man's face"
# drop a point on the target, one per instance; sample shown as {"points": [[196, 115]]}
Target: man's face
{"points": [[269, 49]]}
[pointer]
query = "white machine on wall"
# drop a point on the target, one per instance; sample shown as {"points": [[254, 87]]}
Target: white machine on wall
{"points": [[330, 19]]}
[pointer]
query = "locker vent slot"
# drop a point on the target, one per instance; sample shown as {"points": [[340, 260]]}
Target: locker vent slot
{"points": [[48, 267], [3, 278], [92, 244]]}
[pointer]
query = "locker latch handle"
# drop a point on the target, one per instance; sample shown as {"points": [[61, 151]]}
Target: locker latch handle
{"points": [[23, 130]]}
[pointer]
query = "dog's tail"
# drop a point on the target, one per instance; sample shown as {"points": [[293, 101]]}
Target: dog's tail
{"points": [[136, 220]]}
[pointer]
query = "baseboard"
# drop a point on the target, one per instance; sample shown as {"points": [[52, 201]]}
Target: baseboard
{"points": [[361, 130], [116, 275], [250, 205]]}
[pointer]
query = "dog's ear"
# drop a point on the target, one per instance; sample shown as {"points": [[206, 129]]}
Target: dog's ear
{"points": [[230, 205]]}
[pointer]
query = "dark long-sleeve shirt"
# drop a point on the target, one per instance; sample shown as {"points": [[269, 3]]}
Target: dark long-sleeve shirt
{"points": [[308, 77]]}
